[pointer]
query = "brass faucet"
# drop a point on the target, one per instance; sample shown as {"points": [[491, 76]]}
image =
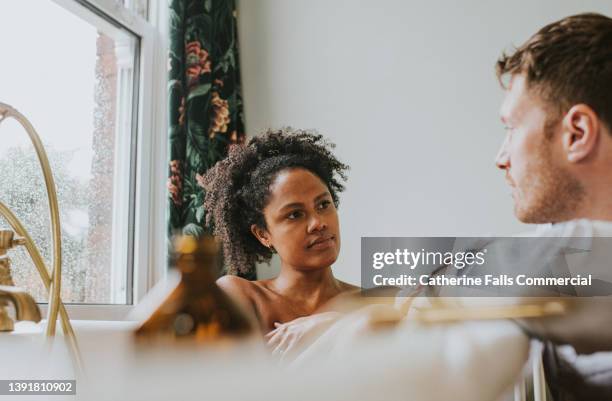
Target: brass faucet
{"points": [[25, 306], [51, 279], [23, 303]]}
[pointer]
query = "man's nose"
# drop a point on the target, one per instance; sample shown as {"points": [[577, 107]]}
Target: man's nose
{"points": [[316, 223], [502, 160]]}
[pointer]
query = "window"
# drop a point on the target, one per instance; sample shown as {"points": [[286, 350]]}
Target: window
{"points": [[139, 7], [83, 73]]}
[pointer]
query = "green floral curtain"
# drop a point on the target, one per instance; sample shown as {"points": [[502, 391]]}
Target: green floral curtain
{"points": [[206, 113]]}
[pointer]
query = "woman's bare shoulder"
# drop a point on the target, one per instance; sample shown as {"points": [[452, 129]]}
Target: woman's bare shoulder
{"points": [[246, 288], [232, 283]]}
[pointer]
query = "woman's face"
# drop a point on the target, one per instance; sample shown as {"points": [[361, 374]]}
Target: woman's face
{"points": [[302, 221]]}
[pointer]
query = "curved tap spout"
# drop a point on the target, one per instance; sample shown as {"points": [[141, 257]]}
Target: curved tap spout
{"points": [[25, 306]]}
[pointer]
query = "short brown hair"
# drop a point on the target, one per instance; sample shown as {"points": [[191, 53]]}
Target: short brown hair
{"points": [[568, 62]]}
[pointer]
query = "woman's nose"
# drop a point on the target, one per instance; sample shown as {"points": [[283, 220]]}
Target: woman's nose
{"points": [[316, 223]]}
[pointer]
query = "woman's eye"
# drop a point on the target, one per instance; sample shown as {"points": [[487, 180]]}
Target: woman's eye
{"points": [[294, 215], [324, 205]]}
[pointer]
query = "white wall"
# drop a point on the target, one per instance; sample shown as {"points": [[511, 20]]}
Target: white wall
{"points": [[407, 91]]}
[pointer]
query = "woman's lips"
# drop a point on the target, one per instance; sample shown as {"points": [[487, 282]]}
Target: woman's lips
{"points": [[322, 243]]}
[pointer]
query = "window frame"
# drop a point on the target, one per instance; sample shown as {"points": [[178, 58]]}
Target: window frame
{"points": [[147, 259]]}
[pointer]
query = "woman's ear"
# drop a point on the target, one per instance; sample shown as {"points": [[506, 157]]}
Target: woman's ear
{"points": [[262, 235], [581, 127]]}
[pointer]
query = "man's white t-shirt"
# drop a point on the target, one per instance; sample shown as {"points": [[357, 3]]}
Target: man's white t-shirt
{"points": [[581, 369]]}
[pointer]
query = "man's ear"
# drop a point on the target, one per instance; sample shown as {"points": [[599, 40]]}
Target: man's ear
{"points": [[261, 234], [580, 129]]}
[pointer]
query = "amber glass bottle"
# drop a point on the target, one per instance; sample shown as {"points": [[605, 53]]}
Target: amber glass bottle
{"points": [[196, 308]]}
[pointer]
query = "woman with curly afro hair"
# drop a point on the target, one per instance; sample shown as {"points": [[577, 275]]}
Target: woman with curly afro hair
{"points": [[279, 194]]}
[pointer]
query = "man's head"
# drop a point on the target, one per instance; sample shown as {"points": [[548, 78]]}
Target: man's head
{"points": [[557, 154]]}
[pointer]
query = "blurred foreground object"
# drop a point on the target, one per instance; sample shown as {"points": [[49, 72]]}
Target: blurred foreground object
{"points": [[192, 306]]}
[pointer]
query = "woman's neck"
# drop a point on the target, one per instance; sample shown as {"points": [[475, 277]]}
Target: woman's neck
{"points": [[311, 288]]}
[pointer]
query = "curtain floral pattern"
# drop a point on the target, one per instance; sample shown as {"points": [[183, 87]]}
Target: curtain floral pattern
{"points": [[206, 112]]}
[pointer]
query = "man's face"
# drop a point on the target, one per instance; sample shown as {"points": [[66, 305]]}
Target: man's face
{"points": [[531, 155]]}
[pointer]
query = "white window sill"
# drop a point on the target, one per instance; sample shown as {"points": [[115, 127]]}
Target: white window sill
{"points": [[93, 312]]}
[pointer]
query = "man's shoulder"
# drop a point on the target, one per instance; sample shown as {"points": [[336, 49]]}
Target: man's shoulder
{"points": [[573, 228]]}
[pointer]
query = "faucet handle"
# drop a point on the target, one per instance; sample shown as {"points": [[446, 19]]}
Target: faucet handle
{"points": [[25, 306], [8, 241]]}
